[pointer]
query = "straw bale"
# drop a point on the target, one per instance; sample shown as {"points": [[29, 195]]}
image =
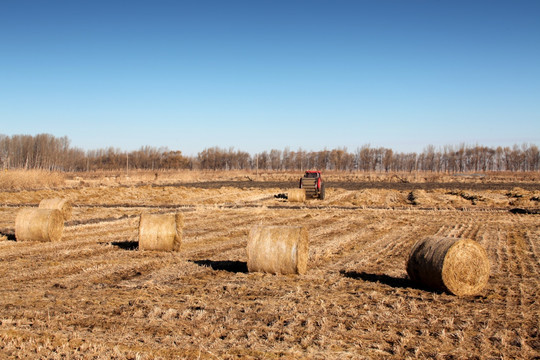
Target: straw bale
{"points": [[63, 205], [296, 195], [39, 225], [160, 231], [458, 266], [277, 249]]}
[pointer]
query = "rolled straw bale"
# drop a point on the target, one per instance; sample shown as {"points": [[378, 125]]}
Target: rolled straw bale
{"points": [[296, 195], [160, 231], [39, 225], [277, 249], [458, 266], [63, 205]]}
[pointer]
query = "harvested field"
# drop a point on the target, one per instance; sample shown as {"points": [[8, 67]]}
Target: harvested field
{"points": [[93, 295]]}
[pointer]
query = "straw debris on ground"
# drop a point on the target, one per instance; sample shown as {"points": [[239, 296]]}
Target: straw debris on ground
{"points": [[94, 295]]}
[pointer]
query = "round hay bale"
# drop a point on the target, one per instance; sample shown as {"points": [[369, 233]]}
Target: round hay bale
{"points": [[160, 231], [458, 266], [296, 195], [63, 205], [39, 225], [277, 249]]}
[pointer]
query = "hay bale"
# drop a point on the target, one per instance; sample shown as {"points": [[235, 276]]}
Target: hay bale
{"points": [[39, 225], [277, 249], [296, 195], [63, 205], [160, 231], [458, 266]]}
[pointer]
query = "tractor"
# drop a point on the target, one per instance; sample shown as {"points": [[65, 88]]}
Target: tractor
{"points": [[313, 183]]}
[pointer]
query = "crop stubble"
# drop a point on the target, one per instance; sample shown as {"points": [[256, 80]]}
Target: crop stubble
{"points": [[93, 295]]}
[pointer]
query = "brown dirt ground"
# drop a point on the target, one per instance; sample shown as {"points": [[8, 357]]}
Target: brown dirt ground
{"points": [[94, 295]]}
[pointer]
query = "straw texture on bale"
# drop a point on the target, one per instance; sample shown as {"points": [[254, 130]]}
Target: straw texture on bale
{"points": [[39, 225], [296, 195], [160, 231], [63, 205], [458, 266], [277, 249]]}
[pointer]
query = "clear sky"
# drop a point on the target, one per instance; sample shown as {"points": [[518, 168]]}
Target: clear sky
{"points": [[262, 74]]}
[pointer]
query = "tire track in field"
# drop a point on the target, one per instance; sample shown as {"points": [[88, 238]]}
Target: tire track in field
{"points": [[528, 237], [322, 226], [502, 268], [507, 281], [45, 261], [36, 269], [363, 237], [448, 230], [78, 235], [489, 237], [234, 250], [229, 231], [235, 241], [212, 228], [463, 227], [363, 245], [71, 262], [390, 253], [102, 233], [30, 250], [472, 228], [221, 232], [108, 272], [135, 269], [532, 242], [339, 239], [521, 296], [19, 342], [532, 238]]}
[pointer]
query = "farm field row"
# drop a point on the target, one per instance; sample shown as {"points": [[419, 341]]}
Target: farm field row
{"points": [[95, 295]]}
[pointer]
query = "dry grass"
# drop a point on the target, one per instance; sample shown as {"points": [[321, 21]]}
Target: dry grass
{"points": [[189, 176], [30, 179], [94, 296]]}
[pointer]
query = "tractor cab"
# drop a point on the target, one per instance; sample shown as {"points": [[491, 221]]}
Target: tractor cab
{"points": [[312, 174]]}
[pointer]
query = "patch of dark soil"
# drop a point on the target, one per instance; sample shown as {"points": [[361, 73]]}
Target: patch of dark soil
{"points": [[347, 185]]}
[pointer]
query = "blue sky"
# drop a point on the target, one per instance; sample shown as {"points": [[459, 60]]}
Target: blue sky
{"points": [[258, 75]]}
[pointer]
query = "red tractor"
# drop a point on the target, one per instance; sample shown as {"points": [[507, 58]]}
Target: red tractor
{"points": [[313, 183]]}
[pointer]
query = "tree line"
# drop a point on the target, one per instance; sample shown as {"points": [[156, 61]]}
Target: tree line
{"points": [[45, 151]]}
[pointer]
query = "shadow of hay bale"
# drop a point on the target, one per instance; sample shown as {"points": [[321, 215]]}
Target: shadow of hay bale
{"points": [[400, 283], [8, 235], [225, 265], [525, 211], [126, 245]]}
